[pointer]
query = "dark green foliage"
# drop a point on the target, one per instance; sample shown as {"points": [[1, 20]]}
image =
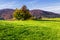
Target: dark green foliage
{"points": [[16, 14], [23, 13]]}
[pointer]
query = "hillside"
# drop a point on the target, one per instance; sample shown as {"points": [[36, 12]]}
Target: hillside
{"points": [[44, 14], [8, 14]]}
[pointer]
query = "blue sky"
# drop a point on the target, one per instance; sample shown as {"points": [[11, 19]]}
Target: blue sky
{"points": [[48, 5]]}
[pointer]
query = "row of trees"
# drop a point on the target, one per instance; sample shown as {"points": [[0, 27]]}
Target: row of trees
{"points": [[22, 14]]}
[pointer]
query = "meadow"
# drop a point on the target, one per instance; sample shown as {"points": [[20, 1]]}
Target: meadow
{"points": [[30, 30]]}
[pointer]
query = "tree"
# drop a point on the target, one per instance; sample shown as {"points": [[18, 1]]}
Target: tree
{"points": [[16, 14], [23, 13], [26, 13]]}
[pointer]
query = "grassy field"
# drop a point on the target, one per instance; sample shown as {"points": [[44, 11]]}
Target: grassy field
{"points": [[30, 30]]}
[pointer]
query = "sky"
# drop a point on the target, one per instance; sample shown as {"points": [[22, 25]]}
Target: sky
{"points": [[47, 5]]}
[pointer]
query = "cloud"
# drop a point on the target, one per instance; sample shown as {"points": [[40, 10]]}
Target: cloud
{"points": [[8, 5], [52, 8]]}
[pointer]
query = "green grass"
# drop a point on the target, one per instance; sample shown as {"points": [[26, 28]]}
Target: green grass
{"points": [[30, 30]]}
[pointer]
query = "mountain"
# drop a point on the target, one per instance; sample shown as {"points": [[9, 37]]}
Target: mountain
{"points": [[8, 14], [44, 14]]}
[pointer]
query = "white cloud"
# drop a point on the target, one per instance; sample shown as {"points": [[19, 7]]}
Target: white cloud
{"points": [[55, 7], [7, 5], [52, 8]]}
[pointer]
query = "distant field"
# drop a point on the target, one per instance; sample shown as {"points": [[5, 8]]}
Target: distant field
{"points": [[30, 30], [57, 19]]}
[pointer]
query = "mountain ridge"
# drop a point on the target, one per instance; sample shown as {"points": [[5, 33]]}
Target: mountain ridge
{"points": [[8, 13]]}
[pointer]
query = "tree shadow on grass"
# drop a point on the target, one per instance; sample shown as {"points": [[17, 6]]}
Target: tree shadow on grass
{"points": [[49, 20]]}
